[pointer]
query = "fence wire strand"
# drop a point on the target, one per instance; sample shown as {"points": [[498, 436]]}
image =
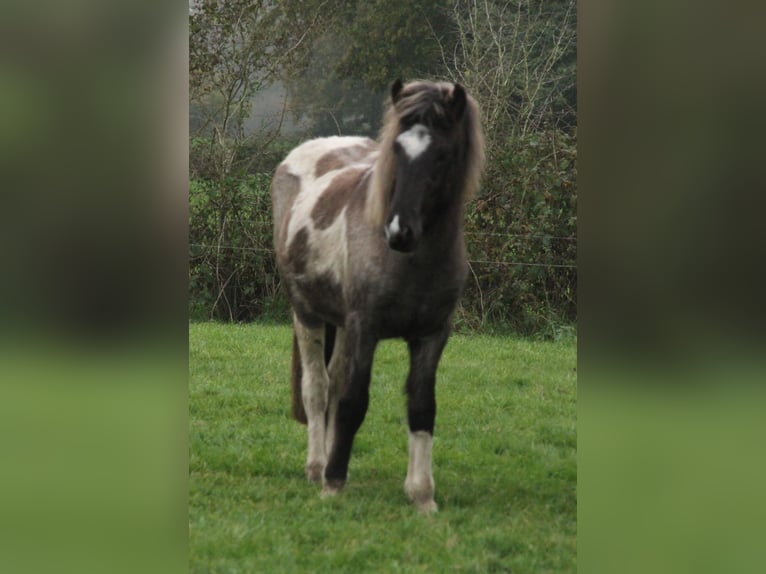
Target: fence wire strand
{"points": [[471, 261]]}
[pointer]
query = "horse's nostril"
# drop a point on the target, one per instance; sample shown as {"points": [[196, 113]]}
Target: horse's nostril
{"points": [[402, 241]]}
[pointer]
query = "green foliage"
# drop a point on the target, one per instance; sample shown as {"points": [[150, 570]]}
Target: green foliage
{"points": [[505, 462], [518, 59], [237, 47], [521, 237], [366, 46], [390, 39], [232, 272]]}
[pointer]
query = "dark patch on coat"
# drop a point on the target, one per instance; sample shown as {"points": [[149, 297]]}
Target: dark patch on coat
{"points": [[338, 158], [317, 299], [298, 252], [339, 193]]}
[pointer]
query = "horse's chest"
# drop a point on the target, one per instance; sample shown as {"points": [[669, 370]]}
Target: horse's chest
{"points": [[421, 308]]}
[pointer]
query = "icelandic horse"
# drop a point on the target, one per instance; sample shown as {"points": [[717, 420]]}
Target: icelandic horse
{"points": [[370, 245]]}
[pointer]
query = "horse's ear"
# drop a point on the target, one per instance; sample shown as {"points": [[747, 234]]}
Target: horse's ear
{"points": [[396, 90], [457, 102]]}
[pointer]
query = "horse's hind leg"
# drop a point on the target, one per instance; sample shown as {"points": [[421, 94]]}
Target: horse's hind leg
{"points": [[421, 414], [314, 389], [337, 372], [359, 348]]}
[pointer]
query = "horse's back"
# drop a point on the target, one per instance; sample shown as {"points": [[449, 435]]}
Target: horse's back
{"points": [[314, 158]]}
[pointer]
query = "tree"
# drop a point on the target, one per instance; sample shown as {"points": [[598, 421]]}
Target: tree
{"points": [[517, 58], [365, 46], [237, 47]]}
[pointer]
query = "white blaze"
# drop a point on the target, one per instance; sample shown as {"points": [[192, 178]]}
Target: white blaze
{"points": [[415, 140]]}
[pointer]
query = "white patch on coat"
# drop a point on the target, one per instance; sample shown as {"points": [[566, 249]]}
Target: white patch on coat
{"points": [[302, 160], [414, 141], [328, 246], [419, 484], [329, 252]]}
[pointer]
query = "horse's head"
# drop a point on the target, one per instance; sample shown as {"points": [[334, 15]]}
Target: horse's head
{"points": [[429, 158]]}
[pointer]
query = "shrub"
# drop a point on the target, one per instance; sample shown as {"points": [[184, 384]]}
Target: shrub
{"points": [[521, 237]]}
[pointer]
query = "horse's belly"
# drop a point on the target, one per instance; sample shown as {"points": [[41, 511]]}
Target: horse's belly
{"points": [[317, 299]]}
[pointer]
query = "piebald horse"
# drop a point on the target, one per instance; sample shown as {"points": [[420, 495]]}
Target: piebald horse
{"points": [[370, 246]]}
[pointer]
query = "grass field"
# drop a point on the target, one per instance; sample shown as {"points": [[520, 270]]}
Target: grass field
{"points": [[504, 462]]}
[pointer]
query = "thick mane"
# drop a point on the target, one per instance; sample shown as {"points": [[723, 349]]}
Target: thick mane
{"points": [[421, 98]]}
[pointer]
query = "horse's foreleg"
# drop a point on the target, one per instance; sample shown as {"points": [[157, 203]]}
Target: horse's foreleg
{"points": [[314, 389], [352, 404], [421, 414]]}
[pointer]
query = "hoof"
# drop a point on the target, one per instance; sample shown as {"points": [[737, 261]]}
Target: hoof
{"points": [[422, 496], [332, 487], [427, 507], [314, 471]]}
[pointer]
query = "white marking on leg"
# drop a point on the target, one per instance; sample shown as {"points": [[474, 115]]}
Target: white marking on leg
{"points": [[419, 484], [314, 388], [414, 141]]}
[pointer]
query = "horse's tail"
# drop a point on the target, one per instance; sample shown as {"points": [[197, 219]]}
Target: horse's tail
{"points": [[299, 413], [298, 410]]}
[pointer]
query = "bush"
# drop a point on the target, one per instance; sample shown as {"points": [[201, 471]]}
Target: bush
{"points": [[521, 235], [232, 273]]}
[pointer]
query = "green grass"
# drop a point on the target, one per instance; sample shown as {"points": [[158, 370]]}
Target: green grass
{"points": [[504, 462]]}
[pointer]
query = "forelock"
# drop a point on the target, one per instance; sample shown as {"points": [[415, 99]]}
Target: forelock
{"points": [[423, 102]]}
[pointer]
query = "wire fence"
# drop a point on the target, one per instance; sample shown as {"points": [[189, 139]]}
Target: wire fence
{"points": [[521, 235], [471, 261]]}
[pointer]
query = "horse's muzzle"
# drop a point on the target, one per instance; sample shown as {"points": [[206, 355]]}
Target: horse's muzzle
{"points": [[400, 236], [400, 242]]}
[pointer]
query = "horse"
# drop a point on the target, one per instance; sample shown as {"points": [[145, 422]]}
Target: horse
{"points": [[369, 246]]}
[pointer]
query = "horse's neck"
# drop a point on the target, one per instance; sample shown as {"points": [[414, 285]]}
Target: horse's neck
{"points": [[445, 235]]}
